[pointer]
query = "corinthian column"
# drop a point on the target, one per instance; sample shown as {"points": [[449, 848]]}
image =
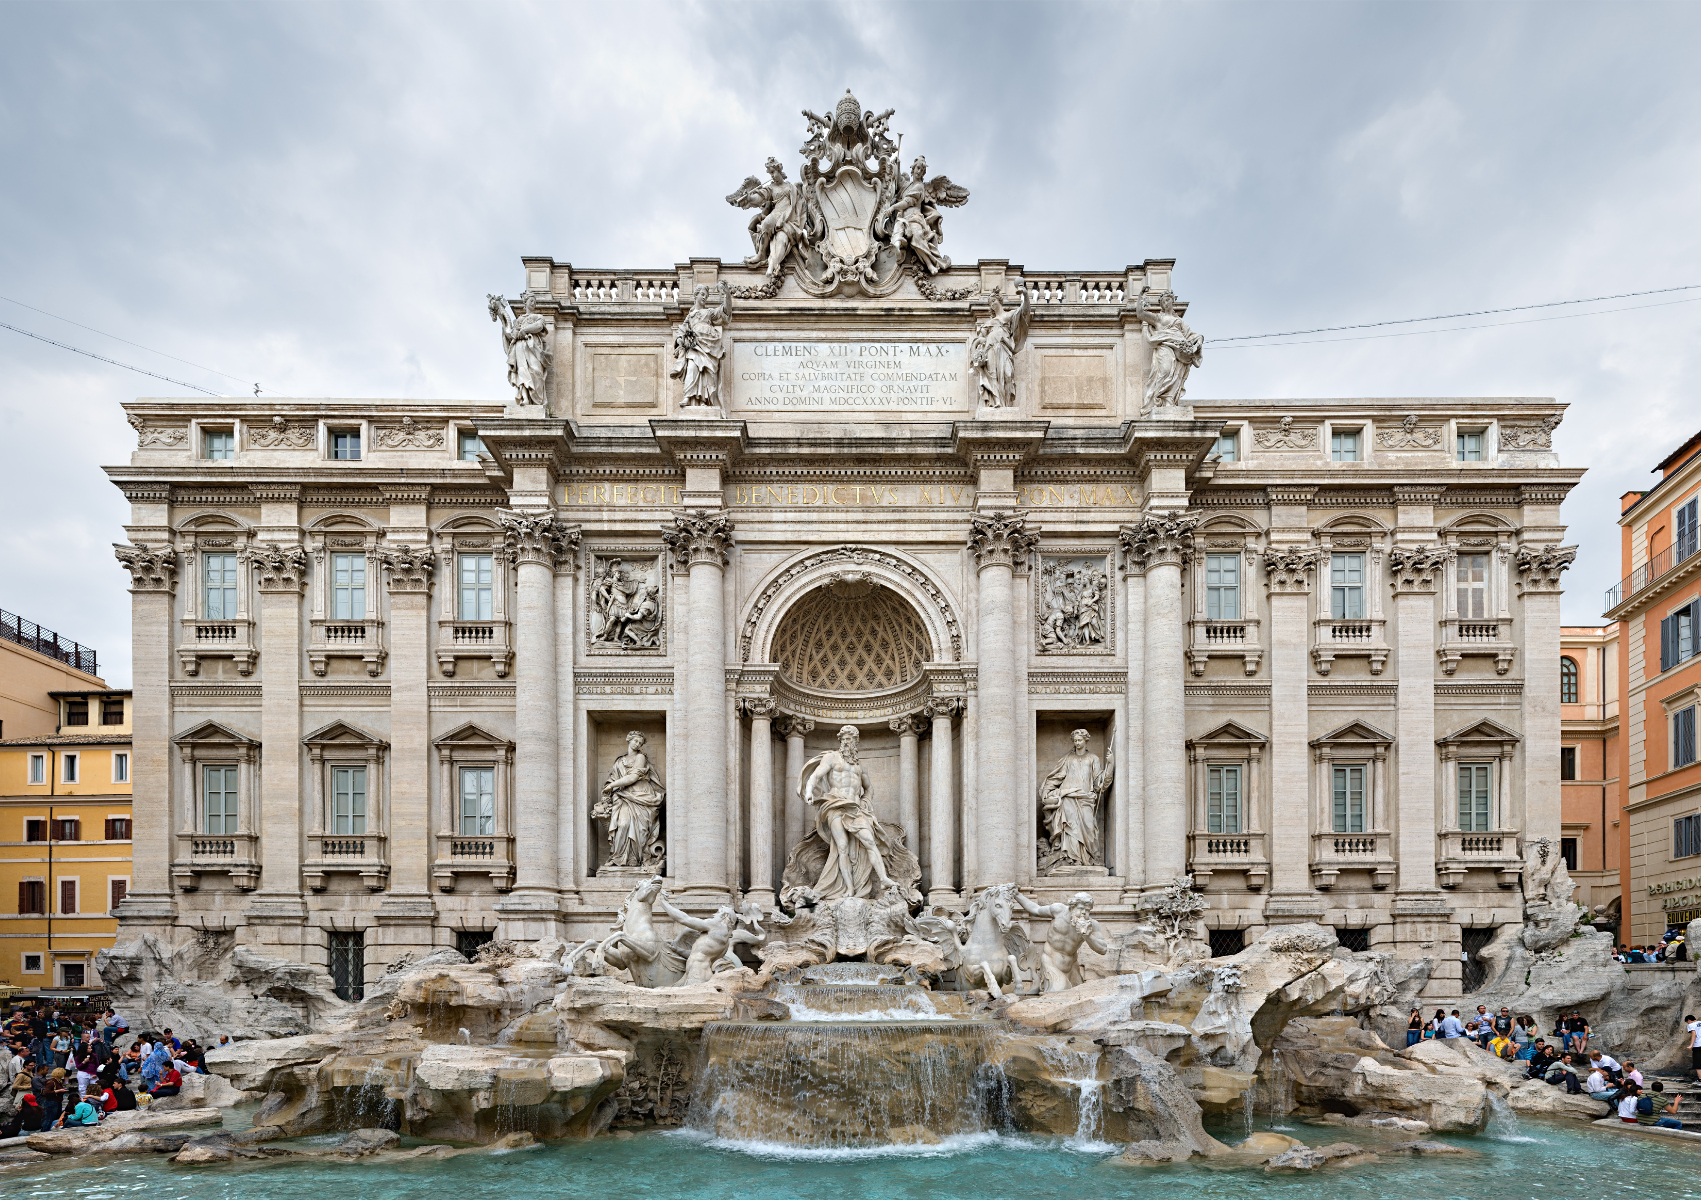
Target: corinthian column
{"points": [[794, 730], [941, 803], [998, 541], [700, 541], [1539, 568], [1164, 542], [1288, 572], [1416, 572], [909, 779], [408, 571], [534, 543], [1128, 791], [761, 714], [153, 571]]}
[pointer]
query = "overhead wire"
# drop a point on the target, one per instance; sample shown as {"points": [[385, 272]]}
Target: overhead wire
{"points": [[126, 341], [104, 359]]}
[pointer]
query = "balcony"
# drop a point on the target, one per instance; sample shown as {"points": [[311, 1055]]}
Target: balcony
{"points": [[1650, 572], [1350, 638], [234, 854], [1493, 850], [1209, 853], [346, 639], [1332, 853], [473, 639], [31, 636], [484, 854], [360, 854], [1476, 639], [233, 639], [1225, 639]]}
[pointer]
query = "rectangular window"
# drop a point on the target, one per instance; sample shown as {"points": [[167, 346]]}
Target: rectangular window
{"points": [[471, 446], [348, 587], [1349, 799], [476, 575], [70, 767], [218, 796], [1683, 737], [348, 965], [67, 829], [345, 443], [120, 767], [1226, 942], [1222, 800], [218, 444], [38, 768], [1346, 587], [1470, 445], [67, 897], [1473, 586], [1686, 836], [112, 712], [118, 888], [32, 897], [1356, 940], [1568, 852], [71, 974], [1474, 782], [467, 941], [1678, 642], [1568, 762], [1228, 447], [478, 801], [1686, 540], [117, 829], [76, 712], [1222, 587], [35, 829], [1343, 445], [32, 964], [218, 573], [348, 799]]}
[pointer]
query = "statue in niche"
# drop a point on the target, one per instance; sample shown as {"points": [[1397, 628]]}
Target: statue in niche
{"points": [[698, 345], [1071, 798], [625, 605], [1072, 926], [992, 350], [1072, 600], [631, 803], [525, 340], [1176, 350], [851, 846]]}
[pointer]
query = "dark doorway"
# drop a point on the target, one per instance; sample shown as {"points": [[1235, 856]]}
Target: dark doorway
{"points": [[348, 965]]}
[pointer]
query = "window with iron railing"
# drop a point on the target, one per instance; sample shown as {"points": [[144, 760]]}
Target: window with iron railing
{"points": [[1348, 797], [1346, 586], [1475, 797]]}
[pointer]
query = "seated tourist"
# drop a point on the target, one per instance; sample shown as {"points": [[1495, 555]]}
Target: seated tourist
{"points": [[123, 1099], [1600, 1087], [1606, 1063], [1501, 1047], [1542, 1056], [83, 1114], [1633, 1075], [1651, 1108], [1576, 1033], [170, 1084], [28, 1118], [1564, 1071]]}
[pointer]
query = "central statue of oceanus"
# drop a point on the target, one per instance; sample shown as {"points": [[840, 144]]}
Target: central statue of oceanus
{"points": [[855, 221], [851, 853]]}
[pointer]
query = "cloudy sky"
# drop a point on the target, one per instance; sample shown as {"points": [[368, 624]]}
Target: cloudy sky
{"points": [[317, 197]]}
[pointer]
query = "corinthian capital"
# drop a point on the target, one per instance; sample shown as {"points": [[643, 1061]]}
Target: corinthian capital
{"points": [[408, 568], [699, 536], [277, 568], [1000, 539], [537, 538], [152, 568], [1159, 540], [1539, 567], [1415, 567], [942, 706], [789, 725], [1289, 568]]}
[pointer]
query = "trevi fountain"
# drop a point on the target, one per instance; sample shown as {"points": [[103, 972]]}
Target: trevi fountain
{"points": [[848, 725]]}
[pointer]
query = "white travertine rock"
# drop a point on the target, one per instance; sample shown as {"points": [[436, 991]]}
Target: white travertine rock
{"points": [[1462, 1056], [77, 1141], [1448, 1103], [253, 1066], [1533, 1098]]}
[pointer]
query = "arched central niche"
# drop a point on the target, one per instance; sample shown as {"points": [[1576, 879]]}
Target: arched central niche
{"points": [[851, 637]]}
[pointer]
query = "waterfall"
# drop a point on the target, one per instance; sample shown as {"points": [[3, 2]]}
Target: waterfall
{"points": [[1081, 1068], [1503, 1122], [1248, 1103], [1278, 1091]]}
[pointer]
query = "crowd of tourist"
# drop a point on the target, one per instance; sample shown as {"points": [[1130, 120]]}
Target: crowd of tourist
{"points": [[1565, 1061], [1671, 948], [70, 1072]]}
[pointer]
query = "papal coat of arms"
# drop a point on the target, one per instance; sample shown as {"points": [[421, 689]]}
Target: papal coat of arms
{"points": [[854, 221]]}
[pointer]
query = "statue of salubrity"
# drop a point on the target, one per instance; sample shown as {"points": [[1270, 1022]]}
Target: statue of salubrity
{"points": [[1071, 799], [631, 803]]}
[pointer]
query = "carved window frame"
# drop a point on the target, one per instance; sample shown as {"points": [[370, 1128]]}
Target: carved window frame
{"points": [[1230, 744], [1225, 534], [474, 535], [342, 744], [1107, 567], [344, 533], [211, 744], [472, 745], [1473, 534], [662, 576], [1355, 533], [199, 638]]}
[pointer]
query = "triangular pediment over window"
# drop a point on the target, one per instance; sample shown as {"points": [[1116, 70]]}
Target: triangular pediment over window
{"points": [[469, 736], [1480, 733], [1231, 733], [1355, 733], [341, 733], [211, 733]]}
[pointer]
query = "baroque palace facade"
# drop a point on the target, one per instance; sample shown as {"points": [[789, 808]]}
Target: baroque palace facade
{"points": [[391, 656]]}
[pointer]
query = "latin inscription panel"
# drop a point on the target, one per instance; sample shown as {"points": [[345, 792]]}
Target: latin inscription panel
{"points": [[850, 376]]}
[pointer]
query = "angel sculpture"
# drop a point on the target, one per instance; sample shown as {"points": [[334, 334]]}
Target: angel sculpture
{"points": [[916, 220], [784, 218]]}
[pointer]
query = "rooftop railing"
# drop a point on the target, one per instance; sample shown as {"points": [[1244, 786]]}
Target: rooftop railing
{"points": [[44, 641], [1649, 572]]}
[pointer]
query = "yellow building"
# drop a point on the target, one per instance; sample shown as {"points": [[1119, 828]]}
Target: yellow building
{"points": [[64, 832]]}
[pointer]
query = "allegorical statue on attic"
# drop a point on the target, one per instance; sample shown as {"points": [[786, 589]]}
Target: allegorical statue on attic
{"points": [[1175, 348], [853, 221], [992, 350], [525, 340], [699, 345]]}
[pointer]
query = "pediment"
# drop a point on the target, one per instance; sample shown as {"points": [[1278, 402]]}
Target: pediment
{"points": [[1484, 730], [1355, 732], [341, 733], [1231, 733], [211, 733], [471, 734]]}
